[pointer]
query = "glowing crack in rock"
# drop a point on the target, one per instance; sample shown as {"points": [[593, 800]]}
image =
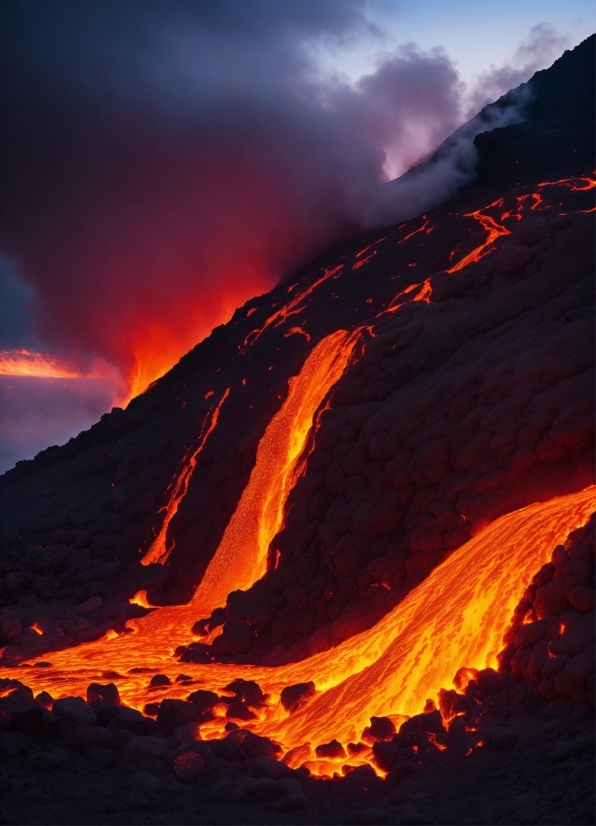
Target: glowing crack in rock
{"points": [[159, 551], [293, 307]]}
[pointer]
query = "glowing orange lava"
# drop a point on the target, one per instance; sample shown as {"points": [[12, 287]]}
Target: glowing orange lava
{"points": [[364, 261], [297, 331], [574, 184], [370, 246], [456, 617], [241, 557], [159, 552], [416, 231], [423, 294], [494, 229], [294, 306]]}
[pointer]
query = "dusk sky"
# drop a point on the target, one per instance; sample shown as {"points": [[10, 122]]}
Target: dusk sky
{"points": [[163, 162]]}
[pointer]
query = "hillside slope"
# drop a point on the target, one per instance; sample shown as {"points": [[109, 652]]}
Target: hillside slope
{"points": [[467, 393]]}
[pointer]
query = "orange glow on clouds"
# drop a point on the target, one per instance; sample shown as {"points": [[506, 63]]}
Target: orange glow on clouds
{"points": [[39, 365], [26, 364]]}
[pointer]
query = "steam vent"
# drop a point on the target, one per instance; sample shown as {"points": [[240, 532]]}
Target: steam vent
{"points": [[336, 565]]}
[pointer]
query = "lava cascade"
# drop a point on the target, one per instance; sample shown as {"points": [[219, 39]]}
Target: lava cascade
{"points": [[241, 557]]}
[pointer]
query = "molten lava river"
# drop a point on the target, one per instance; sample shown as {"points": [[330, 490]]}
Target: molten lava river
{"points": [[456, 617]]}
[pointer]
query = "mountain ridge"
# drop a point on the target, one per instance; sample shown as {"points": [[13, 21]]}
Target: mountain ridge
{"points": [[98, 502]]}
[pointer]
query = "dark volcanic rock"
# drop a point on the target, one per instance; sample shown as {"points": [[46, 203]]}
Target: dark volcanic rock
{"points": [[332, 749], [108, 692], [556, 139], [189, 766], [381, 728], [174, 713], [204, 702], [247, 691], [551, 642], [293, 697]]}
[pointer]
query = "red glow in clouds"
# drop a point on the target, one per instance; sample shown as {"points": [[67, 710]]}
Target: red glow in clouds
{"points": [[41, 365]]}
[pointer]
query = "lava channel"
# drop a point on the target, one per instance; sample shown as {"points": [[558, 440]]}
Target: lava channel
{"points": [[159, 551], [456, 617], [241, 557]]}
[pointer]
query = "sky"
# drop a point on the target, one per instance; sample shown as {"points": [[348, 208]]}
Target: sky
{"points": [[476, 35], [163, 161]]}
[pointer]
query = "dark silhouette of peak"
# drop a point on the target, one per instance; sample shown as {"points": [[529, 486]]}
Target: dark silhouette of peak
{"points": [[556, 137], [542, 127], [565, 91]]}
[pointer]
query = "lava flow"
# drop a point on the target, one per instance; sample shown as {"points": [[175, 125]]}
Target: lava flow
{"points": [[241, 557], [292, 307], [494, 229], [159, 551], [415, 292], [456, 617]]}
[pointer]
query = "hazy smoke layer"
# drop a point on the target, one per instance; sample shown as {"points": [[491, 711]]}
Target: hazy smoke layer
{"points": [[427, 185], [162, 162], [165, 161]]}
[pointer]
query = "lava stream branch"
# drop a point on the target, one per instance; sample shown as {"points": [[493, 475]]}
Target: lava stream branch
{"points": [[416, 231], [574, 184], [159, 551], [415, 292], [493, 228], [292, 307], [496, 229]]}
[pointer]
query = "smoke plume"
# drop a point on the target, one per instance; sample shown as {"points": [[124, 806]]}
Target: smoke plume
{"points": [[165, 161]]}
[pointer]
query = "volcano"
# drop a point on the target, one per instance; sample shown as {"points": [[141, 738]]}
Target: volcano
{"points": [[376, 474]]}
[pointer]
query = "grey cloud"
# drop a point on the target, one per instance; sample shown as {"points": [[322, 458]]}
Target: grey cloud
{"points": [[536, 52]]}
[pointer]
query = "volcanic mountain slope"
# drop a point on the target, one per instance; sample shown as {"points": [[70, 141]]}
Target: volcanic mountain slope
{"points": [[446, 364]]}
